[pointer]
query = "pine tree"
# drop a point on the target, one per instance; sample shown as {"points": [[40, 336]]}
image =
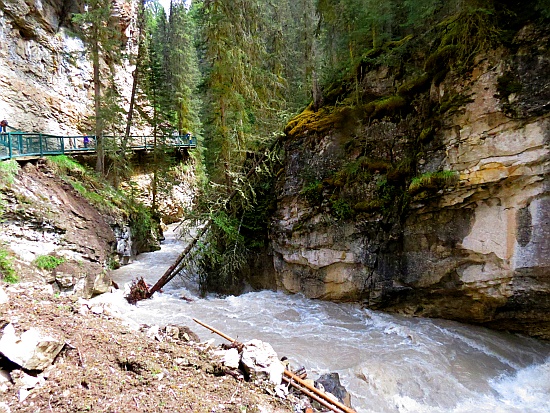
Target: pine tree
{"points": [[103, 42], [183, 70]]}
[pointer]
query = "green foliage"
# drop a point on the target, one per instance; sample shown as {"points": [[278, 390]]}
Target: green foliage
{"points": [[414, 85], [474, 29], [432, 181], [341, 209], [48, 262], [388, 106], [222, 255], [313, 192], [93, 197], [8, 171], [6, 267], [65, 165], [142, 223]]}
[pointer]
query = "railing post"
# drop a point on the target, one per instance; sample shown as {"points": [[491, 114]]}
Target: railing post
{"points": [[62, 145], [9, 144], [40, 143]]}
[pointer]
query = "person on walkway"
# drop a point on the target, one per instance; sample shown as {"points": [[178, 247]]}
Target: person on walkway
{"points": [[3, 126], [86, 141]]}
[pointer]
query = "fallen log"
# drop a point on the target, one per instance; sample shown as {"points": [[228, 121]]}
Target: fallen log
{"points": [[299, 384], [218, 332]]}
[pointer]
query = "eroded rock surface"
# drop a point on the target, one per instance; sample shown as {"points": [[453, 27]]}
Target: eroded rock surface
{"points": [[477, 250], [45, 75], [44, 215]]}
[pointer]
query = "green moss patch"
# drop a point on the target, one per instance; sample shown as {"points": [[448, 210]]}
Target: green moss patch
{"points": [[414, 86], [432, 181]]}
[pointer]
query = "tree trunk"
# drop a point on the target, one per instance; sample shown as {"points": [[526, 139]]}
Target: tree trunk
{"points": [[130, 116], [100, 150]]}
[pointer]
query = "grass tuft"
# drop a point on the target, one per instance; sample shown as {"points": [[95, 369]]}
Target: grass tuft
{"points": [[48, 262]]}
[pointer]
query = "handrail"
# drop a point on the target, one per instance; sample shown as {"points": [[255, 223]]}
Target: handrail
{"points": [[19, 144]]}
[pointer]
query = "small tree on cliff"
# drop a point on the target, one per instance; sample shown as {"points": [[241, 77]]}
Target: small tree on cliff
{"points": [[103, 42]]}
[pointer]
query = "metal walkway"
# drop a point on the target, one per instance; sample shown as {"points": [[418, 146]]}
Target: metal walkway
{"points": [[30, 144]]}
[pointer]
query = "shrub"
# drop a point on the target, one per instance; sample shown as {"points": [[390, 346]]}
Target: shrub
{"points": [[48, 262], [6, 268], [313, 192], [341, 209], [8, 170]]}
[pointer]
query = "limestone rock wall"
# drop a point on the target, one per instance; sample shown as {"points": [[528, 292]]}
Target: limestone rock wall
{"points": [[45, 75], [477, 251], [43, 215]]}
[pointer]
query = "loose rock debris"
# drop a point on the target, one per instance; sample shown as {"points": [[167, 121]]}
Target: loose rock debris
{"points": [[96, 363]]}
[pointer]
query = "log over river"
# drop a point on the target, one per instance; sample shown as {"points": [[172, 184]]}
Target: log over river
{"points": [[387, 362]]}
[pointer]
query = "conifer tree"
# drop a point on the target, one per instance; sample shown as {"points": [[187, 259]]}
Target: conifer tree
{"points": [[103, 42], [183, 70]]}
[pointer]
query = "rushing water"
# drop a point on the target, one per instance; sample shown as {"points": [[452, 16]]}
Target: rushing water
{"points": [[387, 362]]}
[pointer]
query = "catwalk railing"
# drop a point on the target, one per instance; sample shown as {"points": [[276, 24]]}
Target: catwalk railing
{"points": [[31, 144]]}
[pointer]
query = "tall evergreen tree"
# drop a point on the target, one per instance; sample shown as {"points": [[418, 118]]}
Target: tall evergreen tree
{"points": [[241, 91], [183, 69], [103, 42]]}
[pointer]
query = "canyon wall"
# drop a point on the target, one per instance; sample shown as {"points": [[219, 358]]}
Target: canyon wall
{"points": [[473, 246], [45, 72]]}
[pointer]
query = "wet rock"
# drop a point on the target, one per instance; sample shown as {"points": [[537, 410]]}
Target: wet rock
{"points": [[331, 384], [187, 335], [102, 283], [261, 362], [34, 350], [172, 332], [124, 243], [65, 280]]}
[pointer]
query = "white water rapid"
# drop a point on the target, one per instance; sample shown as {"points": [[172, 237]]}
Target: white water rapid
{"points": [[388, 363]]}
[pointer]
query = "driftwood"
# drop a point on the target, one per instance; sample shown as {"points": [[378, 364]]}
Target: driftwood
{"points": [[296, 381]]}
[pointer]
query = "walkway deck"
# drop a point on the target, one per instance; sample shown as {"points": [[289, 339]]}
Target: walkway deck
{"points": [[31, 145]]}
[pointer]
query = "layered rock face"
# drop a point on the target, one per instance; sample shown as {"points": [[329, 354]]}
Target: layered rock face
{"points": [[43, 215], [477, 250], [45, 74]]}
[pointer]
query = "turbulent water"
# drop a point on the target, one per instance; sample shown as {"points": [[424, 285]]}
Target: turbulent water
{"points": [[388, 363]]}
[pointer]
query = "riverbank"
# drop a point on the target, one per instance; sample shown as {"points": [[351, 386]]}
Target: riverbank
{"points": [[105, 366]]}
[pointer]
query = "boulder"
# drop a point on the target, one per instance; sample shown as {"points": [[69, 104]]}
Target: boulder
{"points": [[331, 384], [230, 358], [187, 335], [261, 362], [34, 350]]}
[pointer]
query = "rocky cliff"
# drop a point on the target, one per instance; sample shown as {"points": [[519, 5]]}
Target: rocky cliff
{"points": [[45, 74], [430, 197]]}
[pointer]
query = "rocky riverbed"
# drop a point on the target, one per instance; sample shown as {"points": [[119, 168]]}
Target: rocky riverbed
{"points": [[88, 360]]}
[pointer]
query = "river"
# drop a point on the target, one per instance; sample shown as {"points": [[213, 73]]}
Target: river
{"points": [[387, 362]]}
